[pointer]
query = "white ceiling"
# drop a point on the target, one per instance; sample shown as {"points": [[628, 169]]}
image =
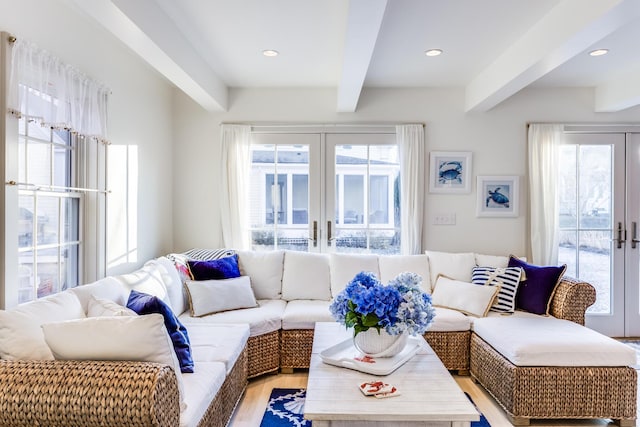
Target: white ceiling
{"points": [[492, 48]]}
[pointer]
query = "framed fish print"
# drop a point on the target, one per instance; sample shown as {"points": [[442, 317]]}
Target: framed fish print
{"points": [[450, 172], [498, 196]]}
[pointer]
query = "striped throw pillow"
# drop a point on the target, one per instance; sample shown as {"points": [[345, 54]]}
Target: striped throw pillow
{"points": [[507, 278], [208, 254]]}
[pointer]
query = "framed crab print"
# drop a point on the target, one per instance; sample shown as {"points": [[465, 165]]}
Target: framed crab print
{"points": [[498, 196], [450, 172]]}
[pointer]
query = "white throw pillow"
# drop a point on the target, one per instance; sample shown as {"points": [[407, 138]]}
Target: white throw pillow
{"points": [[466, 297], [212, 296], [306, 276], [139, 338], [20, 332], [344, 267], [457, 266], [99, 307], [392, 265], [265, 269], [172, 282]]}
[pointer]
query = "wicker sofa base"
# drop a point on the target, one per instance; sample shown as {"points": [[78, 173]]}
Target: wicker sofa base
{"points": [[295, 349], [527, 393], [263, 354], [221, 408]]}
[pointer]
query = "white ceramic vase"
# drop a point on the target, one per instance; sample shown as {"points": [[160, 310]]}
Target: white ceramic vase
{"points": [[381, 344]]}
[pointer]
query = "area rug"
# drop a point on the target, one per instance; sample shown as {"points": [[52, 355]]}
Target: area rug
{"points": [[286, 408]]}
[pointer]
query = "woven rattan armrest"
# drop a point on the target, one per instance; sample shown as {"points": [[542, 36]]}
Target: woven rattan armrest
{"points": [[87, 393], [571, 299]]}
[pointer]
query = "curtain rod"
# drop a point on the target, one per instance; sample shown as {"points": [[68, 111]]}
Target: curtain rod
{"points": [[316, 125]]}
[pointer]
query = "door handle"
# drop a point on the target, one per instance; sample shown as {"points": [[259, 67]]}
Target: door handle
{"points": [[634, 235], [329, 238], [621, 240], [314, 236]]}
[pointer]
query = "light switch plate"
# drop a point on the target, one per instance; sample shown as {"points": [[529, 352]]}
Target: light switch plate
{"points": [[444, 218]]}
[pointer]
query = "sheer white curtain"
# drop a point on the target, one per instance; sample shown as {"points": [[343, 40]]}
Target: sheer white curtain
{"points": [[80, 102], [544, 152], [410, 139], [235, 168]]}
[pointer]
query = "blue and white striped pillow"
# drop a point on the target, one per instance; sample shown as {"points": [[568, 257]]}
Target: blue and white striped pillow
{"points": [[507, 278], [208, 254]]}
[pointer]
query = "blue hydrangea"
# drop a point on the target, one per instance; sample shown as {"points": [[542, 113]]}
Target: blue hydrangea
{"points": [[401, 306]]}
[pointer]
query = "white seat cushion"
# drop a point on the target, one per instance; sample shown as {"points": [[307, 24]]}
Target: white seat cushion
{"points": [[447, 320], [200, 388], [265, 269], [547, 341], [344, 268], [392, 265], [265, 318], [218, 343], [303, 314]]}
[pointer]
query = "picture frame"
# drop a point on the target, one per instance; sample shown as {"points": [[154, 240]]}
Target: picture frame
{"points": [[498, 196], [450, 171]]}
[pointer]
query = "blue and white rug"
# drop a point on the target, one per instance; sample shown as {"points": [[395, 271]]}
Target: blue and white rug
{"points": [[286, 409]]}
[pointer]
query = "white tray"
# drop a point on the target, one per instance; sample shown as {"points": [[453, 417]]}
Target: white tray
{"points": [[344, 355]]}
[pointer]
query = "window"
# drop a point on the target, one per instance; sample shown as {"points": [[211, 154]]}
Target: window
{"points": [[325, 192]]}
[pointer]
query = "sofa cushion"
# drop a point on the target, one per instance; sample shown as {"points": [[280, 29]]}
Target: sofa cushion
{"points": [[148, 280], [144, 304], [547, 341], [448, 320], [200, 388], [306, 276], [21, 335], [138, 338], [392, 265], [496, 261], [344, 267], [465, 297], [173, 282], [508, 279], [303, 314], [212, 296], [99, 307], [456, 266], [217, 269], [218, 342], [265, 269], [107, 288], [265, 318], [537, 285]]}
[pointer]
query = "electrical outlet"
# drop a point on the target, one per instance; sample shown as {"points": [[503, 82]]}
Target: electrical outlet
{"points": [[446, 218]]}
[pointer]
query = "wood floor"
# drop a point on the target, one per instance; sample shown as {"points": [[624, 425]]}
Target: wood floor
{"points": [[251, 408]]}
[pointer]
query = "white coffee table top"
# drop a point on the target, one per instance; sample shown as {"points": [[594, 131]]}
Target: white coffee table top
{"points": [[428, 391]]}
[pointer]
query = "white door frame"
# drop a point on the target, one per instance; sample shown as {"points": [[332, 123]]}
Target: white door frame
{"points": [[632, 256]]}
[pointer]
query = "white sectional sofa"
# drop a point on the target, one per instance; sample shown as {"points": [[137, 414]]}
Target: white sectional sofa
{"points": [[293, 291]]}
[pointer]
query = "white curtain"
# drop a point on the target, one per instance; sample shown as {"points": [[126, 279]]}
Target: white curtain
{"points": [[81, 102], [544, 152], [410, 139], [235, 167]]}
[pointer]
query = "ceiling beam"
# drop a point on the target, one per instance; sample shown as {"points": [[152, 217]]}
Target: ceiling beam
{"points": [[619, 94], [150, 33], [566, 31], [363, 26]]}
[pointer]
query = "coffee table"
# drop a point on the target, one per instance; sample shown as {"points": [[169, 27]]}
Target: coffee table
{"points": [[429, 396]]}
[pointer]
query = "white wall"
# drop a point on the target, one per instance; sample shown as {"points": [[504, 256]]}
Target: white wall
{"points": [[140, 124], [497, 139]]}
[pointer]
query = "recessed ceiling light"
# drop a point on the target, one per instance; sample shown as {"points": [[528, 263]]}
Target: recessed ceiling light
{"points": [[599, 52], [433, 52], [270, 52]]}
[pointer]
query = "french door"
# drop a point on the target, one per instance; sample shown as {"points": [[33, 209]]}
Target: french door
{"points": [[325, 192], [599, 202]]}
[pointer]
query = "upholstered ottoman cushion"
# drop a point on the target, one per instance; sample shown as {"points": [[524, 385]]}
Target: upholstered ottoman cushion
{"points": [[447, 320], [200, 388], [547, 341], [265, 318], [218, 343], [303, 314]]}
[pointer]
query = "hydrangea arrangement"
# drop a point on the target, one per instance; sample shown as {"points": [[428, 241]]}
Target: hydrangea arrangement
{"points": [[401, 306]]}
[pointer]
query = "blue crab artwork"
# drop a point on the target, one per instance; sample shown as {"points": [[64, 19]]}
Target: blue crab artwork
{"points": [[450, 172], [497, 197]]}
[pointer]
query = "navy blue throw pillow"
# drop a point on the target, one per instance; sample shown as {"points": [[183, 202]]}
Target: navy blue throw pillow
{"points": [[143, 303], [537, 284], [216, 269]]}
